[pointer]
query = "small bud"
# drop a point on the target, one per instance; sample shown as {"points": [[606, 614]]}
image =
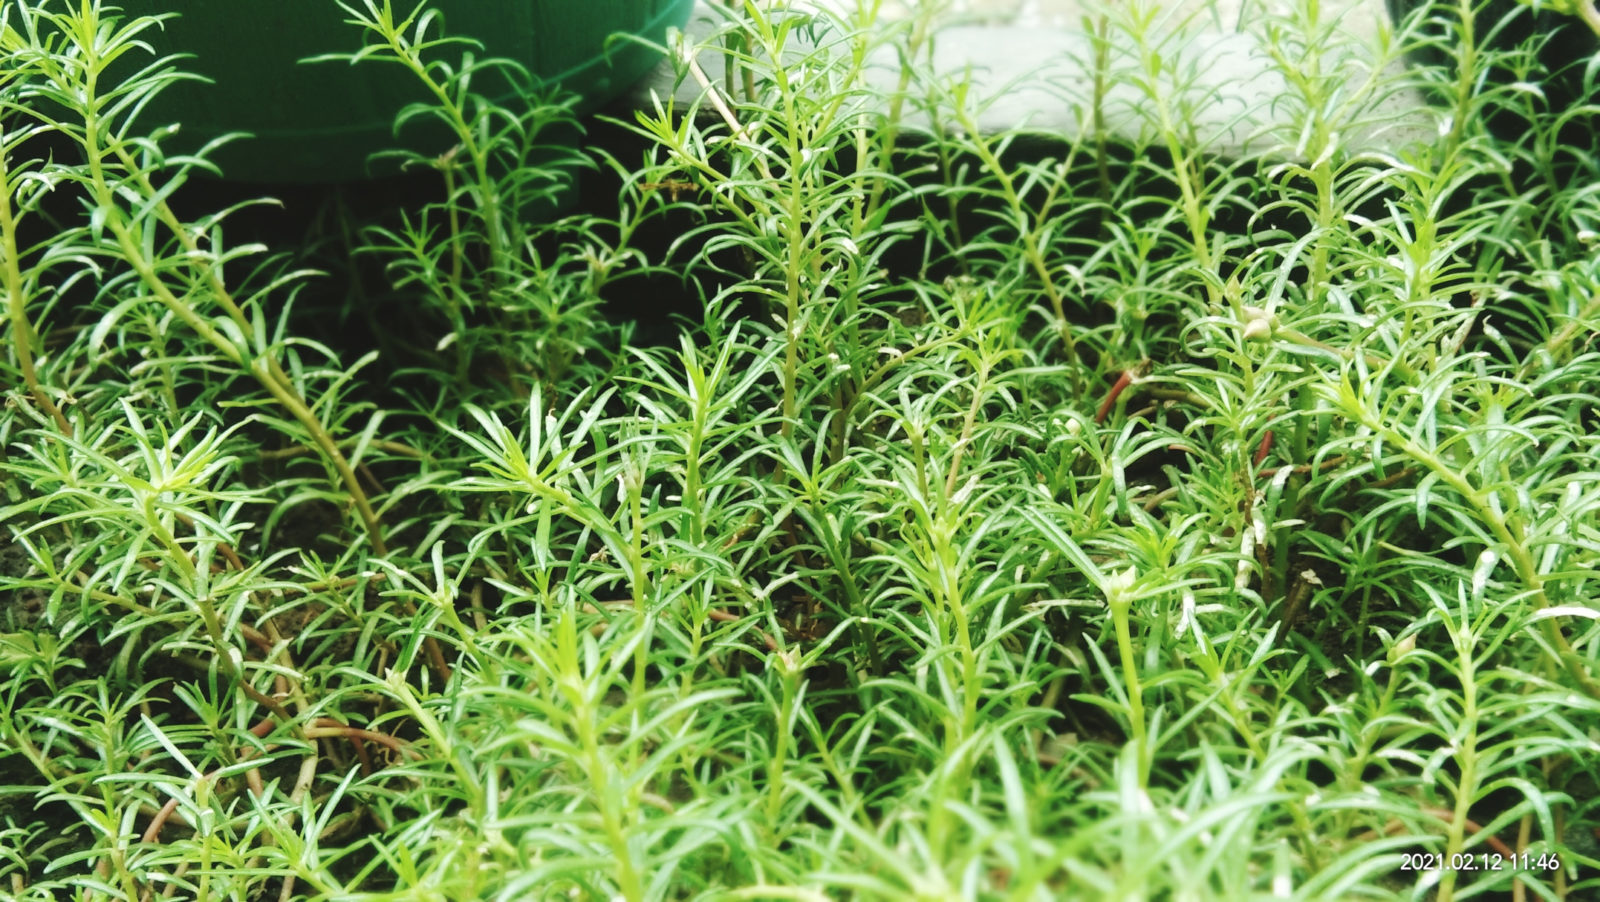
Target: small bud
{"points": [[1402, 648], [1119, 588], [788, 661], [1259, 323]]}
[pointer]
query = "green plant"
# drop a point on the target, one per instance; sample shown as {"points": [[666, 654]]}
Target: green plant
{"points": [[1026, 517], [475, 257]]}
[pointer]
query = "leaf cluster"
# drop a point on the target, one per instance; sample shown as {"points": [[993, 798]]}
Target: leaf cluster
{"points": [[1025, 516]]}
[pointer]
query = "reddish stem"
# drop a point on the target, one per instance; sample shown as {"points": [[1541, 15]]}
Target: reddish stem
{"points": [[1121, 385], [1264, 449]]}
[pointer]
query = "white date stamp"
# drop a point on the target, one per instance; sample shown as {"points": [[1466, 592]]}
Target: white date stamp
{"points": [[1479, 861]]}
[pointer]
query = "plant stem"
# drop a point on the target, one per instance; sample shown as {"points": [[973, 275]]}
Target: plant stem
{"points": [[265, 368], [1508, 528], [1120, 604], [22, 334]]}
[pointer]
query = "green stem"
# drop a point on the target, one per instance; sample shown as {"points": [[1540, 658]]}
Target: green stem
{"points": [[1511, 533], [1130, 678], [1031, 250], [264, 368], [789, 671], [1590, 14], [22, 334], [1467, 757]]}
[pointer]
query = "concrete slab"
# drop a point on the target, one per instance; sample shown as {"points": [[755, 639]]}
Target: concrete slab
{"points": [[1219, 65]]}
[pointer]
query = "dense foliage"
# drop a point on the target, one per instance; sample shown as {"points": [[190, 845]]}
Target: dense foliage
{"points": [[1018, 516]]}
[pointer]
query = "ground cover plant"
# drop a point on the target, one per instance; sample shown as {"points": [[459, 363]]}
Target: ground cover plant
{"points": [[1015, 517]]}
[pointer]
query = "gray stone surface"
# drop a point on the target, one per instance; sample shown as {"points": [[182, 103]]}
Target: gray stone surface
{"points": [[1030, 64]]}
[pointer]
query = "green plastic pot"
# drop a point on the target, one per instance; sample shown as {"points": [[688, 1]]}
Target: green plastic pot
{"points": [[320, 122]]}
